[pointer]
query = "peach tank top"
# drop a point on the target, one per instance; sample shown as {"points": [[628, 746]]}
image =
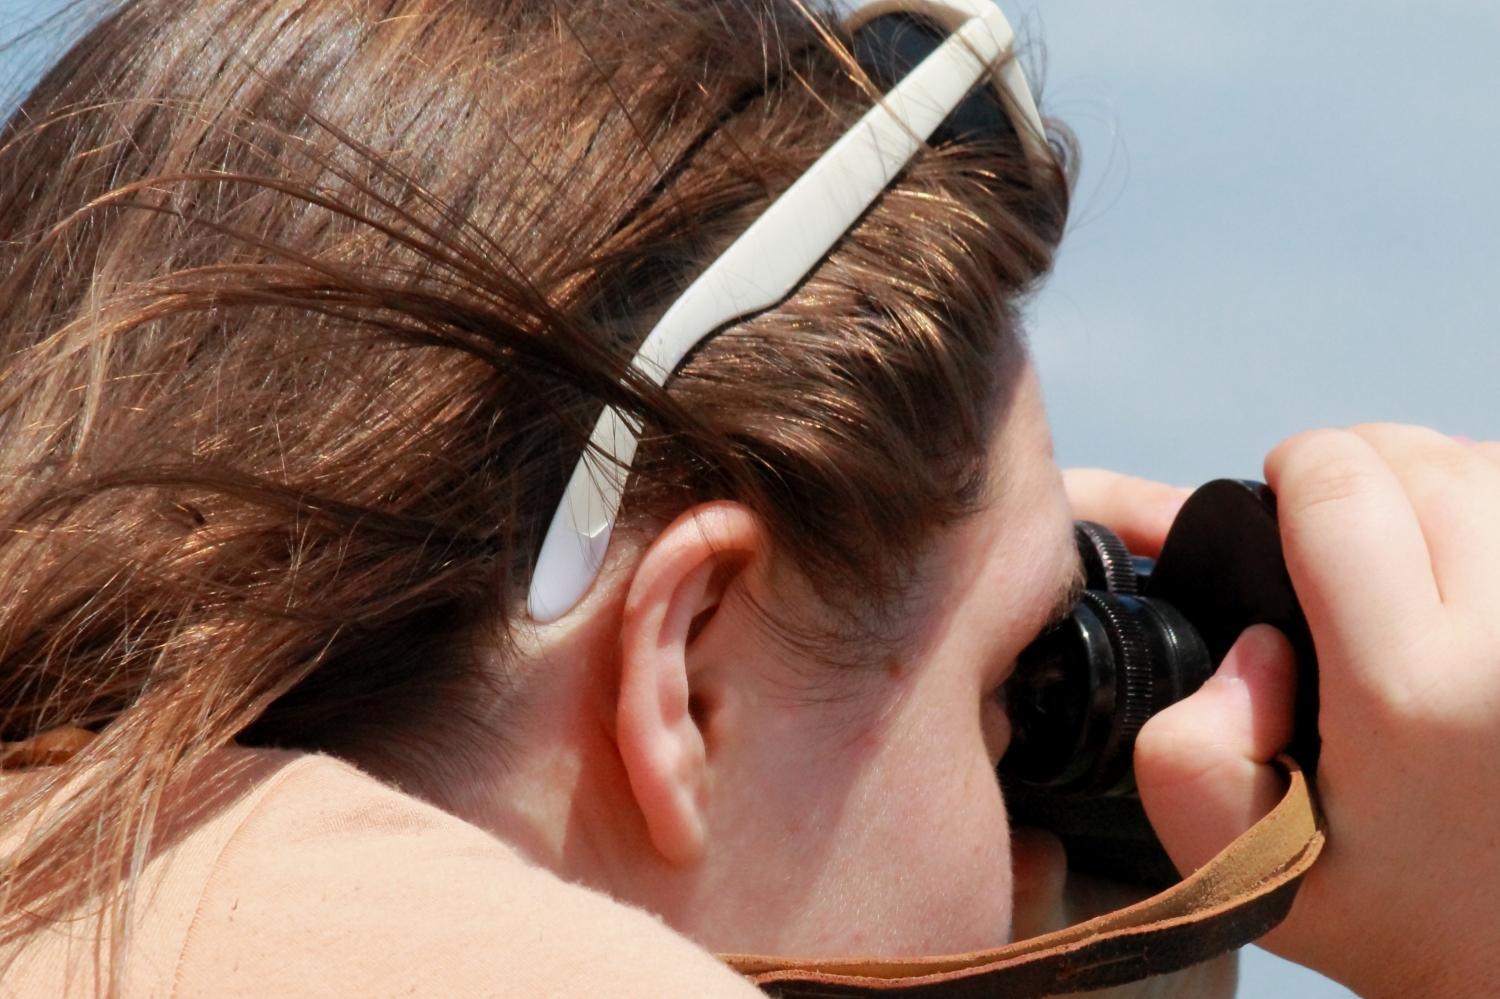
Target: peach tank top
{"points": [[296, 875]]}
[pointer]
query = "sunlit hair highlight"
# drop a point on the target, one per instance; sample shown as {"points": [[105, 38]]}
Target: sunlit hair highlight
{"points": [[298, 348]]}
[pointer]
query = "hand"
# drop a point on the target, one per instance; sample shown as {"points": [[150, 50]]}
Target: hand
{"points": [[1204, 767], [1392, 538]]}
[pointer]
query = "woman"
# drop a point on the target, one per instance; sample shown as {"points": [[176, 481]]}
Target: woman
{"points": [[300, 350]]}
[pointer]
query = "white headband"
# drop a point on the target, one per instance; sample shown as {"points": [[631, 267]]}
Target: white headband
{"points": [[776, 252]]}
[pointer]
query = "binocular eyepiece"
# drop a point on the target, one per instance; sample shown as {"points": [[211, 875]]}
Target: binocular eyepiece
{"points": [[1083, 690], [1144, 635]]}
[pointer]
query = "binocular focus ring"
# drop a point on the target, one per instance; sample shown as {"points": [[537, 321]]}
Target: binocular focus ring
{"points": [[1107, 563], [1131, 690]]}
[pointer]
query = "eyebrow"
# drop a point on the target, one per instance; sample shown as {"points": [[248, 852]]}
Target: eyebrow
{"points": [[1069, 595]]}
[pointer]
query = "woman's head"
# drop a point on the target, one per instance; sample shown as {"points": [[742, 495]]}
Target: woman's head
{"points": [[760, 799], [310, 308]]}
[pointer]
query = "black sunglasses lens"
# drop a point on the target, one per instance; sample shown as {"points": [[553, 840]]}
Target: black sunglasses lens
{"points": [[891, 45]]}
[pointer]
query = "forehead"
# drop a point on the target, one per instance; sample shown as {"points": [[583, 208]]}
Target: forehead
{"points": [[998, 576]]}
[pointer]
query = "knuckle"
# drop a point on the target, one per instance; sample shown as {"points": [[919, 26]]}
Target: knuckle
{"points": [[1179, 758], [1381, 429], [1421, 451], [1489, 450], [1322, 468], [1302, 452]]}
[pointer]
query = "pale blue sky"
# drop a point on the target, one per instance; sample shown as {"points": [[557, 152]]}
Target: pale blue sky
{"points": [[1287, 218]]}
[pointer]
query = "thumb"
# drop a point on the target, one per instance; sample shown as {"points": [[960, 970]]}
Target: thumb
{"points": [[1203, 765]]}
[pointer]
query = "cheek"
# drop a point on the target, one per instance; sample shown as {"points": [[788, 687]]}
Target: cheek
{"points": [[946, 841], [888, 839]]}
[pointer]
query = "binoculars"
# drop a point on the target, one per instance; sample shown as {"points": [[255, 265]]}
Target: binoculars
{"points": [[1144, 635]]}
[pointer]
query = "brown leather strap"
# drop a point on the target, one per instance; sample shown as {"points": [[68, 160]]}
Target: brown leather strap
{"points": [[1231, 900]]}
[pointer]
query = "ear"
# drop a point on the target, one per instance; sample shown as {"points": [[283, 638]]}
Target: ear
{"points": [[669, 688]]}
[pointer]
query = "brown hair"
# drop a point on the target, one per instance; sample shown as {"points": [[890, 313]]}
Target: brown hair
{"points": [[298, 349]]}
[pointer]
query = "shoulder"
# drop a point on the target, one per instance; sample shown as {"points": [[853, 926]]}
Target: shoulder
{"points": [[335, 884]]}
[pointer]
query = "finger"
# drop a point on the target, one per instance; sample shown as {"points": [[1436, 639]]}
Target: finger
{"points": [[1453, 491], [1138, 510], [1039, 870], [1203, 766], [1354, 550], [1488, 449]]}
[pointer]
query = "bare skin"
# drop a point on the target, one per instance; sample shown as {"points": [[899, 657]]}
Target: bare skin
{"points": [[1391, 541], [695, 765]]}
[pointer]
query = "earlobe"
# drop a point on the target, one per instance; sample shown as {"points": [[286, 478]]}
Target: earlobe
{"points": [[676, 591]]}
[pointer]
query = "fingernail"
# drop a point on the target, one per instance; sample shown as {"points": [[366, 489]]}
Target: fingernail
{"points": [[1257, 649]]}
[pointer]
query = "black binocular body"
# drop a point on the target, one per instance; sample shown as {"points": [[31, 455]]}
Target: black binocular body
{"points": [[1145, 635]]}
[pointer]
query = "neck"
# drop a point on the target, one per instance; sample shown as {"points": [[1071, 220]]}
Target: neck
{"points": [[557, 791]]}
